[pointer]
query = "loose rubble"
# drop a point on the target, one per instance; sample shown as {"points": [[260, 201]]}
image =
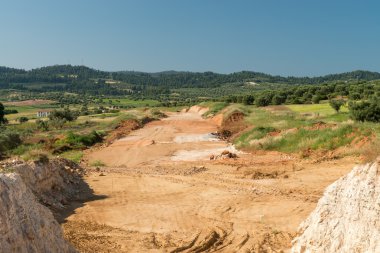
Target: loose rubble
{"points": [[224, 155]]}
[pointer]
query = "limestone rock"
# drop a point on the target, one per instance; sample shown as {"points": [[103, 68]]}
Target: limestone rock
{"points": [[26, 225], [347, 217]]}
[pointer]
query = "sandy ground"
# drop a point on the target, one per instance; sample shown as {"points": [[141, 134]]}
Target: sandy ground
{"points": [[163, 194]]}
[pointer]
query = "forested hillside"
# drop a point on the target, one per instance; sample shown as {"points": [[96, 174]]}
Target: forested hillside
{"points": [[169, 79], [62, 82]]}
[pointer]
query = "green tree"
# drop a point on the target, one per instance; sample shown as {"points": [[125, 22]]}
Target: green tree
{"points": [[23, 119], [278, 99], [248, 100], [42, 125], [365, 110], [65, 114], [8, 140], [3, 120], [336, 104], [316, 99]]}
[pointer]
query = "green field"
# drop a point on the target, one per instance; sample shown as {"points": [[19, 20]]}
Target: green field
{"points": [[321, 109], [130, 102], [28, 111], [296, 128]]}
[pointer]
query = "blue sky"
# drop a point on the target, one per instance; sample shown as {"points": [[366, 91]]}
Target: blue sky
{"points": [[285, 37]]}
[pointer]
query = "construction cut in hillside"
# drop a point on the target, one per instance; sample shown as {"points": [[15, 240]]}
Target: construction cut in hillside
{"points": [[347, 217], [27, 192]]}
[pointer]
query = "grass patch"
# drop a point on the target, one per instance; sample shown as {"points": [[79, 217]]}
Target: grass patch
{"points": [[259, 117], [294, 129], [73, 155], [322, 109], [97, 163], [214, 107], [303, 139], [125, 102], [254, 134], [36, 155]]}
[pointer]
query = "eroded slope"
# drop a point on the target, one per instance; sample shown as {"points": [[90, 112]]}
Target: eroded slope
{"points": [[347, 217]]}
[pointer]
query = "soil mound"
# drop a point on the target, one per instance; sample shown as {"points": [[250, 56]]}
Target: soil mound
{"points": [[232, 123], [346, 218], [198, 109], [123, 129]]}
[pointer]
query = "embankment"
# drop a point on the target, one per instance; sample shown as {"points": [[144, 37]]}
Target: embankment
{"points": [[347, 217], [32, 196]]}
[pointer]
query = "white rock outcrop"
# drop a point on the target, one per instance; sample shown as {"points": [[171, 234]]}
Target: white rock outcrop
{"points": [[347, 217], [25, 224]]}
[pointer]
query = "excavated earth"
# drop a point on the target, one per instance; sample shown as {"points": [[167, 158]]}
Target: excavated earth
{"points": [[160, 192], [30, 195], [347, 217]]}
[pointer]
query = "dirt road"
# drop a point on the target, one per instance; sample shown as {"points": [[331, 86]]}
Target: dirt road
{"points": [[163, 194]]}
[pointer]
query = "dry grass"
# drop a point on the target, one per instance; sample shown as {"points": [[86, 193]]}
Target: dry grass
{"points": [[371, 151]]}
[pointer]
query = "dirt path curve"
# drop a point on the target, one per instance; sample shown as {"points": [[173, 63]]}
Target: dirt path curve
{"points": [[163, 194], [181, 136]]}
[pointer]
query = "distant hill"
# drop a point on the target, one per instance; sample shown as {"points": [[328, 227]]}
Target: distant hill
{"points": [[168, 79]]}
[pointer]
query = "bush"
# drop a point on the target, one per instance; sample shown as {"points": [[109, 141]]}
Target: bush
{"points": [[8, 140], [336, 104], [3, 120], [77, 140], [10, 111], [158, 114], [316, 99], [57, 122], [248, 100], [23, 119], [42, 125], [365, 111], [278, 99], [263, 100], [65, 114]]}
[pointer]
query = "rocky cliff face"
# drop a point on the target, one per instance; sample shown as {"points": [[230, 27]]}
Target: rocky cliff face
{"points": [[347, 217], [53, 182], [27, 192], [26, 225]]}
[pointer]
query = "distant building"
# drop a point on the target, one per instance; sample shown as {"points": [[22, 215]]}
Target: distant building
{"points": [[43, 114]]}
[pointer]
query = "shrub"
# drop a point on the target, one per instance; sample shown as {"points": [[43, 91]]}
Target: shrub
{"points": [[97, 163], [158, 114], [23, 119], [77, 140], [263, 100], [42, 125], [278, 99], [57, 122], [316, 99], [248, 100], [65, 114], [365, 111], [336, 104], [8, 140], [3, 120], [10, 111]]}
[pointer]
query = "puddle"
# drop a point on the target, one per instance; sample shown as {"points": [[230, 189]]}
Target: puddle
{"points": [[195, 138], [203, 154]]}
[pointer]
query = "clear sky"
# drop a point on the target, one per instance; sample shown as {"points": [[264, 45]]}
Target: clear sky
{"points": [[286, 37]]}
